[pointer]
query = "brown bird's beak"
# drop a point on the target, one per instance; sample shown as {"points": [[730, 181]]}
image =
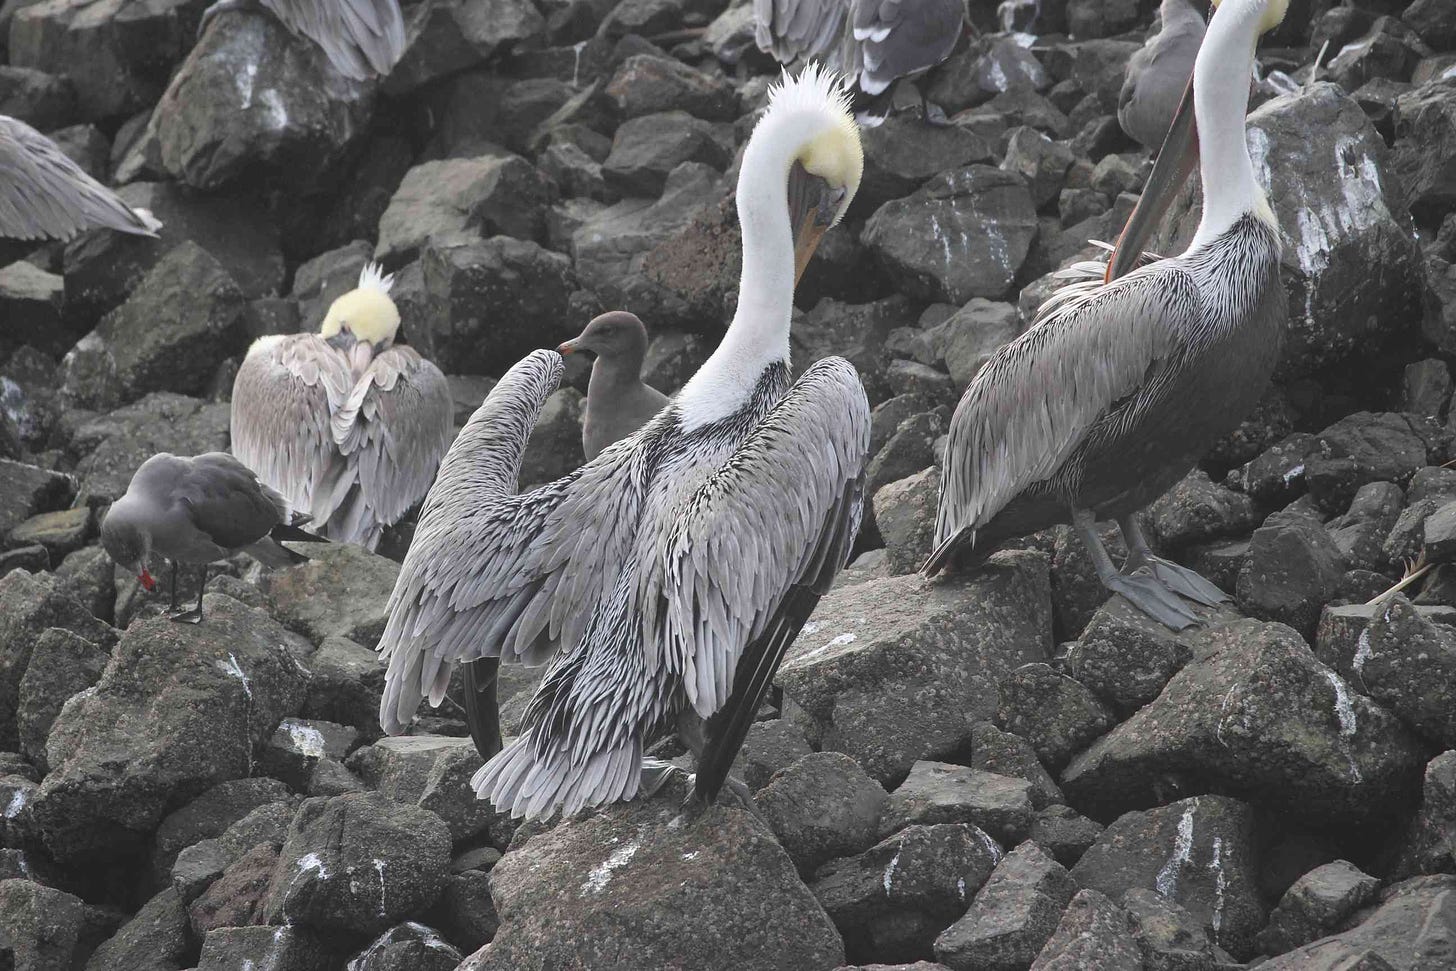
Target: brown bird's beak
{"points": [[568, 347], [813, 206], [146, 580], [1176, 160]]}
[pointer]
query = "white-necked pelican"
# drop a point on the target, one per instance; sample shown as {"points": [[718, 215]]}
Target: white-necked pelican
{"points": [[618, 402], [196, 511], [1122, 383], [45, 195], [348, 425], [667, 576], [1158, 73], [361, 38]]}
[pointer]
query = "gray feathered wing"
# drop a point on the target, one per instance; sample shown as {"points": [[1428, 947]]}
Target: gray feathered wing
{"points": [[392, 430], [360, 37], [790, 29], [1037, 400], [45, 195], [889, 39], [284, 397]]}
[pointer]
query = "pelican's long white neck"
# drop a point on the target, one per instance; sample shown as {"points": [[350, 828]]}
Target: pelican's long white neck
{"points": [[1221, 102]]}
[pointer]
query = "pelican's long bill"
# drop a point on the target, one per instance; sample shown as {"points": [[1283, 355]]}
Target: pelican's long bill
{"points": [[813, 206], [1175, 162]]}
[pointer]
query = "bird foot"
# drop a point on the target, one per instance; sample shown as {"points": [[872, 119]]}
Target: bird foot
{"points": [[190, 616], [655, 775], [1149, 595], [1186, 582]]}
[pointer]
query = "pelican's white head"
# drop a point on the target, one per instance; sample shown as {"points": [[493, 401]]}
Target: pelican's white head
{"points": [[804, 154], [366, 312]]}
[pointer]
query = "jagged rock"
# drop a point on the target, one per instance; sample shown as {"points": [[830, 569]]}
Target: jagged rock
{"points": [[1055, 713], [209, 816], [1425, 132], [446, 36], [1093, 933], [1292, 569], [298, 745], [235, 899], [1168, 936], [1425, 388], [1430, 845], [1126, 657], [1077, 594], [286, 948], [157, 938], [904, 513], [57, 533], [253, 97], [892, 901], [856, 332], [648, 886], [1362, 531], [179, 708], [1258, 714], [32, 301], [821, 807], [1352, 271], [1315, 905], [180, 322], [555, 445], [1197, 852], [114, 445], [407, 947], [646, 149], [40, 925], [320, 281], [894, 670], [914, 377], [938, 792], [61, 664], [342, 591], [1370, 447], [357, 863], [904, 151], [1276, 475], [770, 746], [910, 449], [1064, 833], [432, 772], [1012, 916], [982, 221], [202, 864], [345, 684], [672, 358], [1042, 162], [968, 338], [26, 491], [493, 301], [43, 101], [648, 83], [1197, 510], [1002, 753], [1412, 928], [1433, 21]]}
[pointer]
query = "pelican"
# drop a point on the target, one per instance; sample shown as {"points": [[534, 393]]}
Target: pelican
{"points": [[198, 510], [874, 42], [45, 195], [361, 38], [346, 424], [668, 575], [1158, 72], [617, 401], [1123, 381]]}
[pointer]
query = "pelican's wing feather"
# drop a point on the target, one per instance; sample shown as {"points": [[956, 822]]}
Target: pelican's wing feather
{"points": [[392, 430], [791, 29], [284, 396], [45, 195], [494, 574], [360, 37], [751, 551], [226, 501], [1092, 347]]}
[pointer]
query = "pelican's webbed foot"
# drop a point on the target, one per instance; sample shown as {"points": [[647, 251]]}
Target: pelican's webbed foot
{"points": [[1179, 579], [192, 615], [1148, 594]]}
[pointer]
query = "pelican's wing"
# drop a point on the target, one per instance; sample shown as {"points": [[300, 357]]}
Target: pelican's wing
{"points": [[891, 39], [45, 195], [392, 430], [751, 552], [225, 500], [360, 37], [284, 396], [1093, 347], [790, 29], [492, 574]]}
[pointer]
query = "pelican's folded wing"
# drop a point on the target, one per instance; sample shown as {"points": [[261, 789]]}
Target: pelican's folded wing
{"points": [[492, 574], [392, 430], [360, 37], [754, 549], [284, 397], [45, 195], [790, 29]]}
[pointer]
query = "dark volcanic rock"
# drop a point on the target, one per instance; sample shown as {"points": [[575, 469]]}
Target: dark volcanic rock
{"points": [[1167, 934], [981, 223], [429, 771], [1198, 852], [235, 899], [1055, 713], [202, 864], [1425, 133], [771, 745], [647, 83], [1064, 833], [646, 149], [938, 792], [341, 591], [1126, 657], [904, 151], [231, 948], [253, 97], [1293, 568], [1407, 663], [647, 886], [26, 490], [179, 708], [891, 901], [821, 807], [407, 947], [904, 513], [1012, 915], [40, 925], [895, 670], [61, 664], [114, 445], [345, 684], [1259, 715], [1094, 933], [1414, 927], [157, 938], [1431, 843], [445, 36], [32, 301], [209, 816], [1316, 905]]}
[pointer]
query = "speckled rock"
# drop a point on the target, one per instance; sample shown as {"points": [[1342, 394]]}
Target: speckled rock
{"points": [[937, 792], [821, 807], [1316, 905], [1012, 916], [342, 591], [1058, 715], [1094, 933]]}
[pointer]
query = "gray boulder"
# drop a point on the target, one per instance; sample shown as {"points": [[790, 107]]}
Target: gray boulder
{"points": [[40, 925], [1425, 134], [157, 938], [1292, 570], [648, 83], [62, 663], [646, 149], [821, 807], [1094, 933], [1058, 715], [114, 445], [342, 591], [894, 670], [1126, 657], [407, 947], [345, 684], [1168, 935], [1317, 904], [32, 301], [290, 948], [447, 36], [1064, 833], [938, 792], [1412, 928], [26, 490], [903, 152], [432, 772], [201, 865], [235, 898], [771, 745], [209, 816], [1430, 843], [1012, 916], [904, 514]]}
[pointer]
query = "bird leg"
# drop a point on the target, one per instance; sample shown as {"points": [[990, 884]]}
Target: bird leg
{"points": [[172, 605], [693, 731], [1179, 579], [1138, 588], [193, 616]]}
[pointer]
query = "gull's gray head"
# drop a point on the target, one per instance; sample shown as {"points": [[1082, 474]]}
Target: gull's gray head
{"points": [[611, 335], [127, 542]]}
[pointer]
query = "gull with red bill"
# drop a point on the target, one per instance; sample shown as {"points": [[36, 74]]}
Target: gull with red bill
{"points": [[1130, 374], [195, 511]]}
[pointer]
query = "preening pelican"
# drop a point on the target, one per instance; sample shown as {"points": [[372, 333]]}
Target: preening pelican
{"points": [[1120, 386], [668, 575], [617, 401], [45, 195], [346, 424], [196, 511], [875, 42], [361, 38], [1158, 73]]}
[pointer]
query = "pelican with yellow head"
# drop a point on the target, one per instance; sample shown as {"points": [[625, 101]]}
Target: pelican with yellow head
{"points": [[347, 425], [1132, 372], [662, 581]]}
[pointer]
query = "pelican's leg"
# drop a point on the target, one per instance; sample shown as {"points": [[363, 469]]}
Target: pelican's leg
{"points": [[1178, 579], [694, 733], [172, 603], [1138, 589], [193, 616]]}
